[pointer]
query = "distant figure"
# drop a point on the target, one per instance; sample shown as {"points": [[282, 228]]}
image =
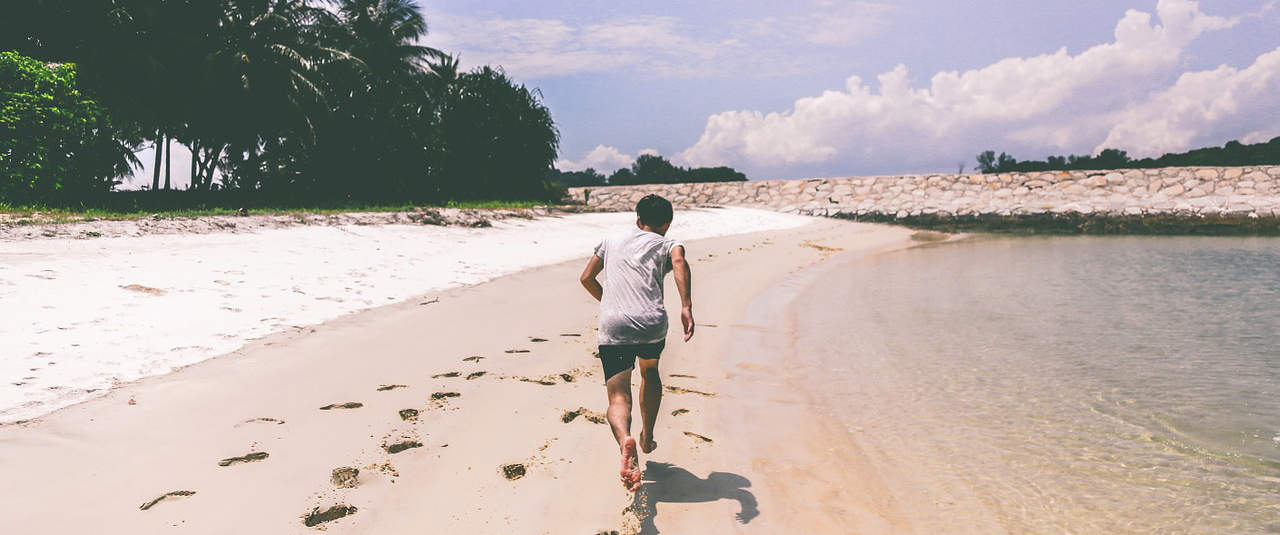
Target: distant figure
{"points": [[633, 320]]}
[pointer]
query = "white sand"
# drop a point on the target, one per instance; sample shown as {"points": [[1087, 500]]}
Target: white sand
{"points": [[72, 331], [769, 460]]}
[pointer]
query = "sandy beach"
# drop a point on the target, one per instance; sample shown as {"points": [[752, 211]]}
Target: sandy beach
{"points": [[151, 296], [475, 413]]}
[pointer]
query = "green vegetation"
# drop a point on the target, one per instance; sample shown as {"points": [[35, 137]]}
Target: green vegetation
{"points": [[282, 102], [1233, 153], [55, 141], [647, 169], [140, 205]]}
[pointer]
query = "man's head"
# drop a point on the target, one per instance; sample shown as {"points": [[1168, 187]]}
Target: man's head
{"points": [[654, 213]]}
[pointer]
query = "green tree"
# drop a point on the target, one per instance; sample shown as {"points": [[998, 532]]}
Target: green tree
{"points": [[713, 174], [623, 177], [576, 179], [654, 169], [498, 137], [383, 122], [987, 161], [291, 99], [56, 143]]}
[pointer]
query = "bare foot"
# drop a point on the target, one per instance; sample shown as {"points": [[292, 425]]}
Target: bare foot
{"points": [[647, 444], [630, 472]]}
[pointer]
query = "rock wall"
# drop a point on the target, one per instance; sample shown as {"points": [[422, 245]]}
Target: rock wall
{"points": [[1187, 191]]}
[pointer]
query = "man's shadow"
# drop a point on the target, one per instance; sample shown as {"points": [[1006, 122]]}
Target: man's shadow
{"points": [[665, 482]]}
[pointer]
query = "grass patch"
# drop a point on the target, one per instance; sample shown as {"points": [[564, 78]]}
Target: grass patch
{"points": [[133, 207], [1072, 224]]}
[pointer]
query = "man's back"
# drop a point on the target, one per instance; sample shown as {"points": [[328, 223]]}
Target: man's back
{"points": [[631, 309]]}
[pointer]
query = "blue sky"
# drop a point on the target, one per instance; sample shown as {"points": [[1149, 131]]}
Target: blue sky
{"points": [[765, 86]]}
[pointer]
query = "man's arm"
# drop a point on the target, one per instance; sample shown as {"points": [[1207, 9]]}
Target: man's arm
{"points": [[684, 278], [588, 278]]}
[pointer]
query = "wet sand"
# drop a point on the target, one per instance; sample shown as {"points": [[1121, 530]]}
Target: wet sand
{"points": [[264, 440]]}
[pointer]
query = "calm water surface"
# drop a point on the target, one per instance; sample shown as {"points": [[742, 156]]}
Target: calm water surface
{"points": [[1074, 385]]}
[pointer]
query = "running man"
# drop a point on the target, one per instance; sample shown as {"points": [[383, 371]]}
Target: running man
{"points": [[633, 320]]}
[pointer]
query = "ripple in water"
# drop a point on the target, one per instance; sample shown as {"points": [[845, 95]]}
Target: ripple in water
{"points": [[1074, 385]]}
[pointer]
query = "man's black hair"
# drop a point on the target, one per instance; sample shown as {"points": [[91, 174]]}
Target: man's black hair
{"points": [[653, 211]]}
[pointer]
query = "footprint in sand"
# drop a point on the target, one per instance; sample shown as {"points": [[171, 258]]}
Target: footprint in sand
{"points": [[683, 375], [246, 458], [261, 421], [678, 412], [397, 447], [514, 351], [442, 375], [385, 388], [173, 494], [442, 395], [408, 414], [475, 375], [318, 516], [679, 390], [698, 438], [586, 414], [570, 334], [345, 477], [473, 358], [537, 340], [143, 289], [513, 471], [347, 405]]}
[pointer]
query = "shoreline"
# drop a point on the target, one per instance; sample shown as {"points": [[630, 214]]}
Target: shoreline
{"points": [[166, 434], [1070, 224]]}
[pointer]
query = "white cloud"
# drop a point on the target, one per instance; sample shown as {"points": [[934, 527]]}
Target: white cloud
{"points": [[540, 48], [826, 23], [603, 159], [1047, 102], [657, 45], [1223, 102]]}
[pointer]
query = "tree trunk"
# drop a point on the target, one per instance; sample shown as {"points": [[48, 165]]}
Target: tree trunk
{"points": [[195, 159], [168, 161], [155, 171]]}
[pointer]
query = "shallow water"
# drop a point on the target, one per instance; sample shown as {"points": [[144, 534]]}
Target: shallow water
{"points": [[1074, 385]]}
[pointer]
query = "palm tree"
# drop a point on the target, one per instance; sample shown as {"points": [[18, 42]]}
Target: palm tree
{"points": [[380, 128], [260, 83], [384, 35]]}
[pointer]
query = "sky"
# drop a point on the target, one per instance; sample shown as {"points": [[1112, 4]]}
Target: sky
{"points": [[811, 88], [829, 88]]}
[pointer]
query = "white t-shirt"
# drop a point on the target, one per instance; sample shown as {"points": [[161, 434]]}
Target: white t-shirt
{"points": [[635, 264]]}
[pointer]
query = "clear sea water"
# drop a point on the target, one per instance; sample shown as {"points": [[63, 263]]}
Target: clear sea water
{"points": [[1071, 384]]}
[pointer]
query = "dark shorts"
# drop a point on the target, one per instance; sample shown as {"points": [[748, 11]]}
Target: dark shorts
{"points": [[620, 358]]}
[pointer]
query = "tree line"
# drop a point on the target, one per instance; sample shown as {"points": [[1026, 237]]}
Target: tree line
{"points": [[647, 169], [276, 99], [1233, 153]]}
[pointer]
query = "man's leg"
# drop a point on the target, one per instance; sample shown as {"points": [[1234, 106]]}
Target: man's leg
{"points": [[650, 401], [619, 415]]}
